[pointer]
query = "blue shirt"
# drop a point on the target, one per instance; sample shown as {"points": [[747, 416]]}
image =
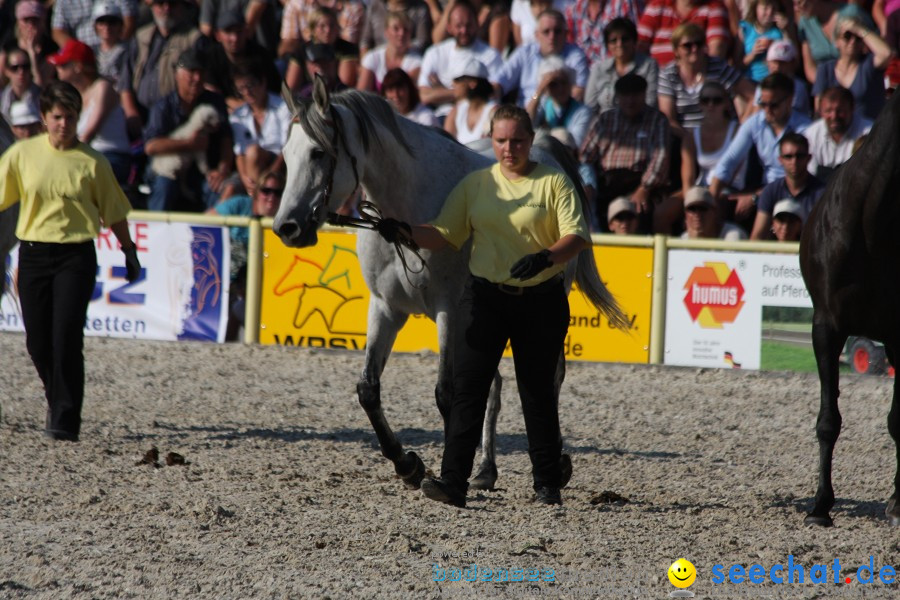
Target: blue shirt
{"points": [[756, 132], [778, 190], [521, 69], [241, 206], [867, 87]]}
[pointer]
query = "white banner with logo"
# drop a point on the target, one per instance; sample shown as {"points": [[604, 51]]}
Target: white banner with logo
{"points": [[714, 304], [182, 293]]}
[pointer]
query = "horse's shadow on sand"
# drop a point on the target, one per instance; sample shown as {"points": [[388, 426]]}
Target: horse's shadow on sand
{"points": [[843, 507], [509, 443]]}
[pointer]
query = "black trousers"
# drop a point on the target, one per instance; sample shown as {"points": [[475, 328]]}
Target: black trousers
{"points": [[535, 325], [56, 282]]}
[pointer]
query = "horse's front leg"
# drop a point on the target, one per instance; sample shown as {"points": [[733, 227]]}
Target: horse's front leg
{"points": [[892, 511], [383, 325], [827, 344]]}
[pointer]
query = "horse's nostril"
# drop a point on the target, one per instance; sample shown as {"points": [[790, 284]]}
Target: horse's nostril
{"points": [[289, 230]]}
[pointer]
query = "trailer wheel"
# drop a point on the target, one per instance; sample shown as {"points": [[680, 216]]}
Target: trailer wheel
{"points": [[866, 357]]}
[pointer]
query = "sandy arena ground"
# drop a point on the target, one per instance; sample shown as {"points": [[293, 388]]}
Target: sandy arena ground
{"points": [[286, 495]]}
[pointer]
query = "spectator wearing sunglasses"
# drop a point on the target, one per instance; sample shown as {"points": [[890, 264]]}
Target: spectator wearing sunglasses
{"points": [[620, 38], [863, 56], [763, 130], [30, 35], [781, 57], [264, 202], [21, 86], [797, 184], [703, 220], [681, 80], [521, 70], [656, 29]]}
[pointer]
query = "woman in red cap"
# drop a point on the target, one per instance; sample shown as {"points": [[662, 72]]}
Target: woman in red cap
{"points": [[102, 121]]}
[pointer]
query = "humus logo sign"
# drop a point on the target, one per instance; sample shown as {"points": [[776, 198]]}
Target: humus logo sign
{"points": [[714, 295]]}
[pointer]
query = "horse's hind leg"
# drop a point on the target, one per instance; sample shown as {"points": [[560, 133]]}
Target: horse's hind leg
{"points": [[382, 331], [486, 475], [827, 344], [892, 511], [565, 460]]}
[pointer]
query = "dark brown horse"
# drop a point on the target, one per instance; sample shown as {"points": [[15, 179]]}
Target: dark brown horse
{"points": [[850, 258]]}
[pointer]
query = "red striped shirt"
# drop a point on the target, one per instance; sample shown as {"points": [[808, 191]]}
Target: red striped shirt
{"points": [[660, 19]]}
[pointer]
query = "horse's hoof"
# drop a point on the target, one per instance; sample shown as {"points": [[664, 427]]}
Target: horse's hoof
{"points": [[485, 478], [818, 520], [565, 465], [892, 511], [411, 470]]}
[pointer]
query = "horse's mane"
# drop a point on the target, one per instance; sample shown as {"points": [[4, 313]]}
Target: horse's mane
{"points": [[368, 110]]}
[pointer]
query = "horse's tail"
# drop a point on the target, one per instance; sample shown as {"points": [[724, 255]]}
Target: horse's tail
{"points": [[586, 274], [596, 291]]}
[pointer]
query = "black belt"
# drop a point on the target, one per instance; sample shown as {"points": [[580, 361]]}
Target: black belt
{"points": [[515, 290]]}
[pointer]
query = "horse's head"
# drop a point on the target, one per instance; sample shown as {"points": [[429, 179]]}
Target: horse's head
{"points": [[321, 174]]}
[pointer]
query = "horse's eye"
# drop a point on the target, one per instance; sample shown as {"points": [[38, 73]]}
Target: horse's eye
{"points": [[317, 154]]}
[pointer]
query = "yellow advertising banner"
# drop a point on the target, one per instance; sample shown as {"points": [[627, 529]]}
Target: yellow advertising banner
{"points": [[316, 297]]}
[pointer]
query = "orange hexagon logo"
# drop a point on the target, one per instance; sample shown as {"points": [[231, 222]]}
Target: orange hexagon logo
{"points": [[714, 295]]}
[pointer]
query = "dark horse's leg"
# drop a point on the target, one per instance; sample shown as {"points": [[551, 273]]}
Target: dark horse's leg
{"points": [[893, 505], [486, 475], [383, 326], [827, 344]]}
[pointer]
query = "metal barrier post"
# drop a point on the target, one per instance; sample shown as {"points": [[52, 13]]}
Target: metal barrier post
{"points": [[253, 291], [658, 300]]}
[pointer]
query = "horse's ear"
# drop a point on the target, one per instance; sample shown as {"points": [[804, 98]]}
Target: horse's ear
{"points": [[320, 95], [288, 96]]}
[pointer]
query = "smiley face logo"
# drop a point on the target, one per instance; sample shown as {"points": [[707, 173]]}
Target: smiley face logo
{"points": [[682, 573]]}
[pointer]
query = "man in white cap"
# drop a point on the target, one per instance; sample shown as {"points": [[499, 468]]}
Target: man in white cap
{"points": [[797, 184], [622, 216], [701, 218], [110, 50], [75, 19], [788, 218], [832, 138], [435, 78], [24, 120], [781, 57]]}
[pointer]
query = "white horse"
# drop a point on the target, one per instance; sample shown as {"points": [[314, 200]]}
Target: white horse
{"points": [[339, 143], [8, 217]]}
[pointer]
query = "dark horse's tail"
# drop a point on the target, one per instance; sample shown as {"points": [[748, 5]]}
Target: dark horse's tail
{"points": [[586, 274]]}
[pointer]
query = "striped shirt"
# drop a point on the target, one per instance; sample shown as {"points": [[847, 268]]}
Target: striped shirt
{"points": [[687, 98], [660, 19], [616, 142]]}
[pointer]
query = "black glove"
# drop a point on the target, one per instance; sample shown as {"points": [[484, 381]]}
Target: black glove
{"points": [[530, 265], [132, 264], [393, 230]]}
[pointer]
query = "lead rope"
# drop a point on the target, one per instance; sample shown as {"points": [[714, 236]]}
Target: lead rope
{"points": [[370, 217]]}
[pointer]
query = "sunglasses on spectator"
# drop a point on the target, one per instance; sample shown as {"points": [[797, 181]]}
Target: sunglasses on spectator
{"points": [[269, 191], [796, 155], [771, 104], [19, 67], [697, 208], [849, 36], [618, 40], [695, 45], [714, 100]]}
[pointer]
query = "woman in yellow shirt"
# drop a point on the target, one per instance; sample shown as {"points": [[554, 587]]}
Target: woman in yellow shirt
{"points": [[65, 190], [526, 222]]}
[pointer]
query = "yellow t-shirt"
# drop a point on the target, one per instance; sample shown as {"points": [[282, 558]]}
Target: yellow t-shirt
{"points": [[508, 219], [65, 194]]}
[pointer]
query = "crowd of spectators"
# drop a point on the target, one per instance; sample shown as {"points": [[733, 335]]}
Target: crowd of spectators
{"points": [[706, 118]]}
